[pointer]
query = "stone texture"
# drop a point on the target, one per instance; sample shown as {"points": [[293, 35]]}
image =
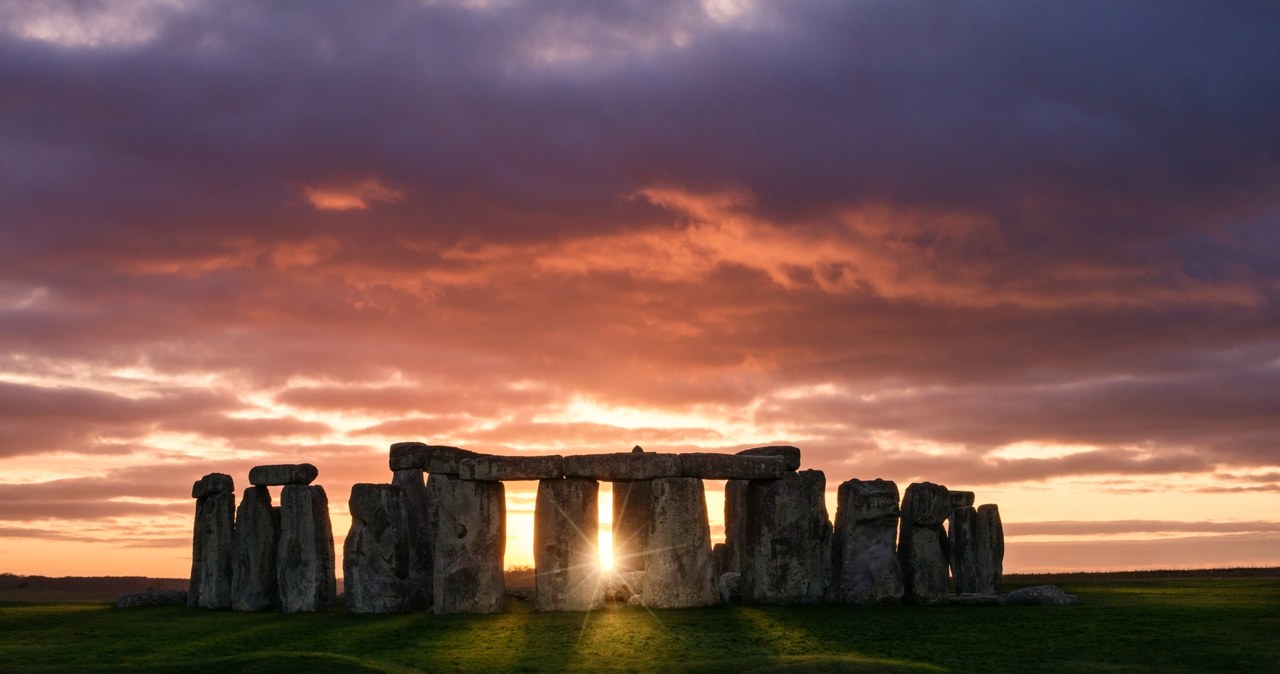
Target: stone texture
{"points": [[632, 518], [485, 467], [785, 556], [152, 598], [989, 549], [735, 520], [790, 455], [709, 466], [622, 586], [679, 571], [420, 527], [922, 546], [961, 499], [210, 585], [305, 560], [254, 546], [213, 483], [440, 459], [864, 556], [375, 556], [730, 587], [962, 536], [470, 544], [284, 473], [1040, 595], [565, 549], [622, 466]]}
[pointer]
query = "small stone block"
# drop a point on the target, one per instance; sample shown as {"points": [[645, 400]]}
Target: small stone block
{"points": [[281, 474], [487, 467], [961, 499], [213, 483]]}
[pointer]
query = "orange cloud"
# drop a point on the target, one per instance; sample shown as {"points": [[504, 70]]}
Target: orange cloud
{"points": [[358, 196]]}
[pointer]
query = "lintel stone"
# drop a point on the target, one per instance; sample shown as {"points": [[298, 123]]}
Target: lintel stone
{"points": [[488, 467], [431, 458], [622, 466], [962, 499], [213, 483], [709, 466], [281, 474], [790, 455]]}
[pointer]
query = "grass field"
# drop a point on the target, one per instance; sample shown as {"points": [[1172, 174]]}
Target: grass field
{"points": [[1192, 625]]}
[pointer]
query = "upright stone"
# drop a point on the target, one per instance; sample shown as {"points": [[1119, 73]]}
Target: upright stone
{"points": [[922, 547], [420, 528], [989, 535], [735, 522], [962, 535], [305, 562], [565, 552], [210, 585], [254, 546], [864, 556], [632, 519], [679, 571], [786, 550], [469, 547], [375, 556]]}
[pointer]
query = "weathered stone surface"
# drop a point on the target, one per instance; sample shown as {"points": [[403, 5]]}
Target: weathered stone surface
{"points": [[864, 556], [632, 518], [790, 455], [565, 550], [420, 523], [922, 545], [470, 543], [440, 459], [305, 559], [962, 535], [735, 522], [213, 483], [622, 466], [1041, 595], [730, 587], [961, 499], [375, 556], [989, 549], [786, 555], [635, 600], [152, 598], [210, 585], [679, 571], [709, 466], [622, 586], [254, 546], [283, 473], [486, 467]]}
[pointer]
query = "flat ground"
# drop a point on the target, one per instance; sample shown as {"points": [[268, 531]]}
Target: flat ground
{"points": [[1186, 625]]}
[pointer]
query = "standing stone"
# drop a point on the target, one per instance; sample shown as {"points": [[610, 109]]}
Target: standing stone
{"points": [[305, 562], [679, 571], [735, 522], [419, 511], [962, 535], [989, 535], [565, 549], [786, 550], [632, 519], [375, 556], [922, 547], [470, 543], [210, 585], [864, 556], [254, 546]]}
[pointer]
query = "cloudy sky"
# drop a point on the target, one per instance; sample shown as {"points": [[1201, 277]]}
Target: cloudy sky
{"points": [[1027, 249]]}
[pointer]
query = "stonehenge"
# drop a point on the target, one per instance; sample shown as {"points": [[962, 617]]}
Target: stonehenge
{"points": [[433, 537]]}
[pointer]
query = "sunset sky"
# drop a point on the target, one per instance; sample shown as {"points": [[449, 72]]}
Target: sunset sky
{"points": [[1026, 249]]}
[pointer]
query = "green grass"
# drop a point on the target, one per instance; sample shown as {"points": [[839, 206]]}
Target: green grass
{"points": [[1134, 626]]}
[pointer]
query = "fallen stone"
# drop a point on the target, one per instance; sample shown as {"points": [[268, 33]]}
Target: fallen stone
{"points": [[420, 528], [632, 518], [487, 467], [730, 587], [565, 551], [305, 560], [790, 455], [375, 556], [521, 593], [709, 466], [988, 549], [922, 545], [470, 542], [962, 536], [786, 555], [864, 557], [431, 458], [285, 473], [254, 546], [210, 585], [213, 483], [679, 571], [622, 466], [152, 598], [635, 600], [1041, 595], [961, 499], [622, 586]]}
